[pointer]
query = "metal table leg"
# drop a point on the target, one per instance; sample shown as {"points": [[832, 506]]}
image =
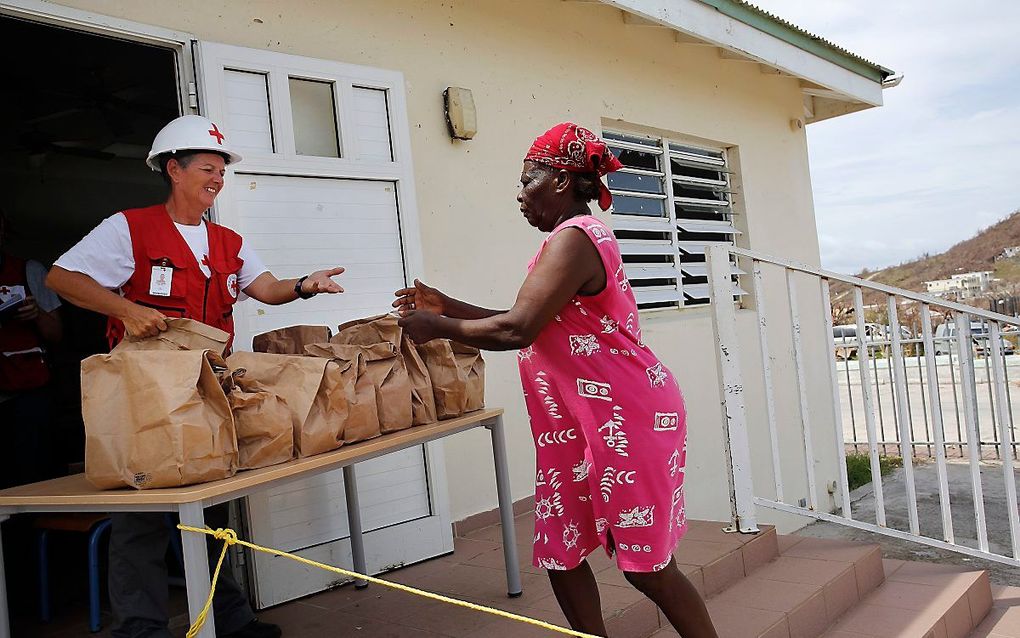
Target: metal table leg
{"points": [[5, 621], [196, 566], [506, 508], [354, 523]]}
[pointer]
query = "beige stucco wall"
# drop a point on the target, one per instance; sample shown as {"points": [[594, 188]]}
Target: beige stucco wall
{"points": [[532, 63]]}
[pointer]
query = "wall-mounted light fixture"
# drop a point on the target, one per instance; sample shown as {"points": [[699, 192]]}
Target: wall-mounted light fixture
{"points": [[460, 112]]}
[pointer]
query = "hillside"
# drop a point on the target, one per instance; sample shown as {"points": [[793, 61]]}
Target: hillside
{"points": [[977, 253]]}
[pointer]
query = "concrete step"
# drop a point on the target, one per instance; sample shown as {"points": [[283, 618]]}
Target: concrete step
{"points": [[712, 559], [926, 600], [1003, 620], [798, 594]]}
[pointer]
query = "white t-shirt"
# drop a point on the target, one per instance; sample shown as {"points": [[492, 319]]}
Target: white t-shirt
{"points": [[106, 254]]}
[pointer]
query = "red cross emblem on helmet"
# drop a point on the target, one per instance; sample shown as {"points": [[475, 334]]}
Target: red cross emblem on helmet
{"points": [[215, 132]]}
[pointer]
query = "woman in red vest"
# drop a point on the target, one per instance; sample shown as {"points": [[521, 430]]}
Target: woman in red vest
{"points": [[139, 267], [29, 323]]}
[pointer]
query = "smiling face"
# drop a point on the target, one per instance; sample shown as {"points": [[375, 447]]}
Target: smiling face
{"points": [[198, 178]]}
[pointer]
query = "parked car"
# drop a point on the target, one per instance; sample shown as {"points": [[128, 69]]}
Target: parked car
{"points": [[945, 339], [876, 335]]}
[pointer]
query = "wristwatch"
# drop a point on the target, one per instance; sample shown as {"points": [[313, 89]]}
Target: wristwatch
{"points": [[300, 293]]}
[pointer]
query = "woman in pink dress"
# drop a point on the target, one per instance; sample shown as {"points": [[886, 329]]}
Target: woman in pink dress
{"points": [[607, 416]]}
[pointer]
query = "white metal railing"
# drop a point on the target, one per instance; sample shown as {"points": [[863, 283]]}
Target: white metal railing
{"points": [[899, 386]]}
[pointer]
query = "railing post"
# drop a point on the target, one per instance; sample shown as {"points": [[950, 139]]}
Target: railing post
{"points": [[766, 370], [737, 448], [937, 426], [964, 345], [901, 393], [802, 399]]}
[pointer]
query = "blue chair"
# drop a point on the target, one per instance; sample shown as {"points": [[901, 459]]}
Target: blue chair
{"points": [[96, 525]]}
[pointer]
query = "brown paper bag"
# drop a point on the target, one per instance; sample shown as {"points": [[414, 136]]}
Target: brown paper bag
{"points": [[423, 403], [156, 419], [384, 329], [181, 334], [449, 383], [313, 389], [381, 388], [472, 366], [265, 428], [290, 340]]}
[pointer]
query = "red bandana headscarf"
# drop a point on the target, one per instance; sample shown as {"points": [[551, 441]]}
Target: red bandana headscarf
{"points": [[575, 148]]}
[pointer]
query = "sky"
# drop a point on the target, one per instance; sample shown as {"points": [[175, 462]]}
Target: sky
{"points": [[941, 159]]}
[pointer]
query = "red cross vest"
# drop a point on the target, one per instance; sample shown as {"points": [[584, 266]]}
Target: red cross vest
{"points": [[156, 242], [22, 363]]}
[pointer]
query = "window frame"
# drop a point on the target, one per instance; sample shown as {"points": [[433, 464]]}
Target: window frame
{"points": [[667, 147]]}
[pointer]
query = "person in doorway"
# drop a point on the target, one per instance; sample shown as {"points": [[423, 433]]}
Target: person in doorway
{"points": [[140, 267], [608, 417], [29, 322]]}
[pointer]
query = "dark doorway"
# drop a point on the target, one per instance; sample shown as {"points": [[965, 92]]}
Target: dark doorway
{"points": [[77, 121], [80, 114]]}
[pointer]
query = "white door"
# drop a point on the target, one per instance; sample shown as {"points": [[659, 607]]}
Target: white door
{"points": [[326, 180]]}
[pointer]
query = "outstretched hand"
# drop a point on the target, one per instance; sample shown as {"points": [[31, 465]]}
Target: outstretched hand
{"points": [[321, 281], [420, 297], [420, 325]]}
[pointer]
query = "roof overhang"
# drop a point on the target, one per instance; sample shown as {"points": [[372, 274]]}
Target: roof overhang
{"points": [[833, 81]]}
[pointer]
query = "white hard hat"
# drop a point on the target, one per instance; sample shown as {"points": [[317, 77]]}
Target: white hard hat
{"points": [[190, 133]]}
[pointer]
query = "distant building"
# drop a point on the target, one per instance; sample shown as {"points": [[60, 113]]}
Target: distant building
{"points": [[1009, 253], [966, 285]]}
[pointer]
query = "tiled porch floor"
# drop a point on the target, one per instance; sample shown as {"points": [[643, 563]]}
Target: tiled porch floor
{"points": [[474, 572]]}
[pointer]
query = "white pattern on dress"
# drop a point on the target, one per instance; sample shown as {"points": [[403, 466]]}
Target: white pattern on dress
{"points": [[666, 421], [615, 437], [571, 535], [557, 437], [657, 375], [526, 354], [621, 279], [607, 482], [584, 345], [550, 563], [677, 517], [543, 508], [594, 389], [638, 516], [601, 525], [551, 406], [609, 326], [601, 233], [674, 464], [581, 470]]}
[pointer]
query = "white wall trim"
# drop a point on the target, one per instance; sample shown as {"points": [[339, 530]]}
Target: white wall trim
{"points": [[696, 19]]}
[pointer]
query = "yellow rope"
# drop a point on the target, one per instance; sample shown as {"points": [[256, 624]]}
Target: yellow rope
{"points": [[229, 537]]}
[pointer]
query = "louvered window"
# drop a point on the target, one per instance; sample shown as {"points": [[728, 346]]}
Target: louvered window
{"points": [[670, 201]]}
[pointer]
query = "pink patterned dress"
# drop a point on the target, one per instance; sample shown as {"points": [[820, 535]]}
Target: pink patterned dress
{"points": [[610, 428]]}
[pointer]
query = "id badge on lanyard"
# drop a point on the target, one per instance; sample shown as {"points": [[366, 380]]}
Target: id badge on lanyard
{"points": [[161, 280]]}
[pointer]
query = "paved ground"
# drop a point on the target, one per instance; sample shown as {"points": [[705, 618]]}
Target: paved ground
{"points": [[919, 401], [930, 517]]}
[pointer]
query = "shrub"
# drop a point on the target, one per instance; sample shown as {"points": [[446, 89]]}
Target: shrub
{"points": [[858, 468]]}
